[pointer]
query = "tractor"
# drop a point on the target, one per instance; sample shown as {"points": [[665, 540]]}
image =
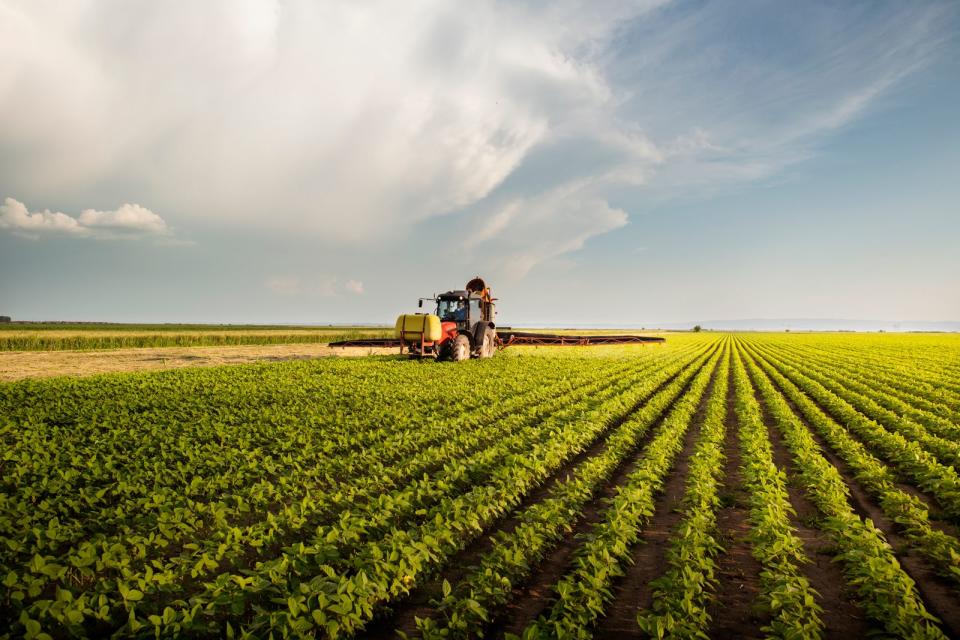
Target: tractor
{"points": [[460, 327]]}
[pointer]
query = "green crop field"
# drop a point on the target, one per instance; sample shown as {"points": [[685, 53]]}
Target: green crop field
{"points": [[748, 485], [82, 337]]}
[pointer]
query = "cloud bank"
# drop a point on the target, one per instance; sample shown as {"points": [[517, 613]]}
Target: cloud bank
{"points": [[536, 127], [130, 220], [343, 118]]}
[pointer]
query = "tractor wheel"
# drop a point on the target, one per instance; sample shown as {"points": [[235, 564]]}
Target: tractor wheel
{"points": [[460, 349], [489, 345]]}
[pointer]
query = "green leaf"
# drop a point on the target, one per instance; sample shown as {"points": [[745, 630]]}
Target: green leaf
{"points": [[32, 627]]}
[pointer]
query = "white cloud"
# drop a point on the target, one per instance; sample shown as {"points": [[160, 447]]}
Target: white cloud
{"points": [[351, 119], [129, 220], [526, 232], [354, 286], [15, 216]]}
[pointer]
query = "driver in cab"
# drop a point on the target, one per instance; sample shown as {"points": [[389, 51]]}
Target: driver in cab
{"points": [[457, 313]]}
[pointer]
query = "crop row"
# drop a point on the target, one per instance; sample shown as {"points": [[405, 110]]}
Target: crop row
{"points": [[928, 402], [913, 366], [866, 400], [681, 596], [939, 480], [606, 550], [514, 555], [785, 592], [886, 593], [908, 511]]}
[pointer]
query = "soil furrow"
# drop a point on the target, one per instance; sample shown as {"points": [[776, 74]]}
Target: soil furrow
{"points": [[738, 572], [842, 616], [632, 592], [533, 597]]}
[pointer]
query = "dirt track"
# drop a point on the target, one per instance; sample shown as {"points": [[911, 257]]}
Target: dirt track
{"points": [[15, 365]]}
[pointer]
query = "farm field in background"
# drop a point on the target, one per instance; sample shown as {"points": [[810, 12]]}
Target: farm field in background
{"points": [[62, 337], [743, 485], [55, 336]]}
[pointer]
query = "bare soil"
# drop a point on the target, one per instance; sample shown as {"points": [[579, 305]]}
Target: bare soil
{"points": [[16, 365]]}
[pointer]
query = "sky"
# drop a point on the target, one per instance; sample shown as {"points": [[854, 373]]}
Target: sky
{"points": [[598, 163]]}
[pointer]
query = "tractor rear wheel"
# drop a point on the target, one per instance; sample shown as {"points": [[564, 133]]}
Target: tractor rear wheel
{"points": [[489, 344], [460, 349]]}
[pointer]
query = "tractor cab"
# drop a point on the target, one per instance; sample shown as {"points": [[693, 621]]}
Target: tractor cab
{"points": [[460, 307]]}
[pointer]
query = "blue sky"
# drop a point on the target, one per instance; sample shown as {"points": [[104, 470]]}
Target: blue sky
{"points": [[599, 163]]}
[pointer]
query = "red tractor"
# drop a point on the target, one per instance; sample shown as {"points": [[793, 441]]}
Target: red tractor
{"points": [[461, 326]]}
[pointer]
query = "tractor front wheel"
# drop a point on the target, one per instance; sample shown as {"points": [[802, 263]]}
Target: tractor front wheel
{"points": [[460, 349]]}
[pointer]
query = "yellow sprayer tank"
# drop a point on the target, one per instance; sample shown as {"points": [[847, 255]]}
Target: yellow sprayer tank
{"points": [[410, 326]]}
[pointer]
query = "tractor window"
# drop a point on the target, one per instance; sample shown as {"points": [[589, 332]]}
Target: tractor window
{"points": [[474, 309], [452, 310]]}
